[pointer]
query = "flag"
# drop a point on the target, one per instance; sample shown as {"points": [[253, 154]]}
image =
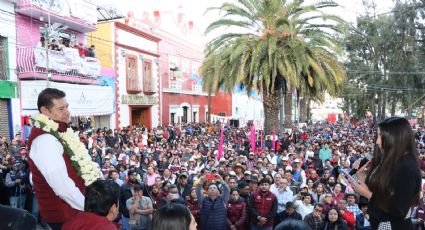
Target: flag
{"points": [[220, 147], [274, 139], [252, 138]]}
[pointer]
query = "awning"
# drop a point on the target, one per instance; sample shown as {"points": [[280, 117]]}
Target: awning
{"points": [[84, 100], [8, 89]]}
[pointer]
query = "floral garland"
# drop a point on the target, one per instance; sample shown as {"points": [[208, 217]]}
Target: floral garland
{"points": [[77, 152]]}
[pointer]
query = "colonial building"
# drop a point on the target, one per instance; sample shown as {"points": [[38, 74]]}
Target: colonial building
{"points": [[135, 56], [181, 50], [52, 52], [10, 123]]}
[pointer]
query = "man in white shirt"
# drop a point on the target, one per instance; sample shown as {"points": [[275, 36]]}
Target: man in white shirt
{"points": [[58, 187], [283, 194]]}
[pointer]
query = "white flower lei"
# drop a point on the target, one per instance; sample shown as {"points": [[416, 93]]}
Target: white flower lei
{"points": [[77, 152]]}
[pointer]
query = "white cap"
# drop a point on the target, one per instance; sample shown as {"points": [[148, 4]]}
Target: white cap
{"points": [[288, 168], [297, 160], [247, 172], [232, 173], [285, 158]]}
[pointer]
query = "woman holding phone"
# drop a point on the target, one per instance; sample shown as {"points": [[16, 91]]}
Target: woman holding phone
{"points": [[392, 179]]}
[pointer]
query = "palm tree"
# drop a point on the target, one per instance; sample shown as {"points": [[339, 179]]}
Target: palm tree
{"points": [[279, 48]]}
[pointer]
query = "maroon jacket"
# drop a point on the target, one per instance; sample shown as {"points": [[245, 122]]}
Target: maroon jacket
{"points": [[236, 213], [89, 221], [52, 208], [263, 205]]}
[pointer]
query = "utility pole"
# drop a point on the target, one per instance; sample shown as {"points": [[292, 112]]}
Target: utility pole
{"points": [[47, 44]]}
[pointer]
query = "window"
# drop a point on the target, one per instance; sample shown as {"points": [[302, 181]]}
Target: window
{"points": [[133, 84], [222, 114], [148, 83], [185, 65], [173, 69], [194, 116], [4, 70], [172, 118]]}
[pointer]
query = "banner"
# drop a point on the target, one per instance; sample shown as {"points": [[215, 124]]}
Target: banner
{"points": [[252, 138], [67, 61], [83, 100]]}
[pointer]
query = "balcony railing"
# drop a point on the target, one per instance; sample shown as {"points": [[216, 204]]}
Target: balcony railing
{"points": [[61, 63], [175, 84], [196, 87], [78, 15], [148, 86]]}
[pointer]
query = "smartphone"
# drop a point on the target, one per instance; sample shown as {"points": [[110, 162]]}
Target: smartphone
{"points": [[211, 176], [346, 174], [362, 162]]}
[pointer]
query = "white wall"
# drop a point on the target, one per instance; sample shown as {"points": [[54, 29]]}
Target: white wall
{"points": [[132, 40], [247, 108], [8, 29]]}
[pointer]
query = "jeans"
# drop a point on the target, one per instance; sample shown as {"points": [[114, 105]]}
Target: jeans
{"points": [[35, 210], [255, 227], [125, 224], [17, 201]]}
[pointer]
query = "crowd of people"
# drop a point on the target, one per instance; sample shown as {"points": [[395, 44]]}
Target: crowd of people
{"points": [[59, 44], [298, 177]]}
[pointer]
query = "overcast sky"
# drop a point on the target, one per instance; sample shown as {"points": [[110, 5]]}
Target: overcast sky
{"points": [[194, 9]]}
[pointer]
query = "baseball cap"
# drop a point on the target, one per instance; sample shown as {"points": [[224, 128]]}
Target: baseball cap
{"points": [[288, 168], [285, 158], [247, 173], [232, 173], [183, 174], [297, 160]]}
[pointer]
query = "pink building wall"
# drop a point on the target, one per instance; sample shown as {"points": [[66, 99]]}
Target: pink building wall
{"points": [[28, 31]]}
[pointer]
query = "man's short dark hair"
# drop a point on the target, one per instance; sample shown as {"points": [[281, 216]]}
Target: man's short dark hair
{"points": [[45, 97], [264, 181], [100, 196]]}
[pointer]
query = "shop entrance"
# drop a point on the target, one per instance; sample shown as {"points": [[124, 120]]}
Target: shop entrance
{"points": [[141, 116]]}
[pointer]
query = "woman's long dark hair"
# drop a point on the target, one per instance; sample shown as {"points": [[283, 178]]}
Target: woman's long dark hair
{"points": [[397, 140], [172, 216]]}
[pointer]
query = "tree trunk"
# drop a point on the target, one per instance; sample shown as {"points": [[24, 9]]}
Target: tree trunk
{"points": [[308, 109], [393, 105], [288, 108], [384, 105], [271, 110], [209, 108], [378, 117], [303, 109], [409, 105]]}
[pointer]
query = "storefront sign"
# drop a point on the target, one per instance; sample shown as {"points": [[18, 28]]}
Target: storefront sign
{"points": [[83, 100], [138, 100]]}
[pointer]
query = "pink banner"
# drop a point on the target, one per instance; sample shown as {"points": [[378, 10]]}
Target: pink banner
{"points": [[220, 147], [274, 139], [252, 138]]}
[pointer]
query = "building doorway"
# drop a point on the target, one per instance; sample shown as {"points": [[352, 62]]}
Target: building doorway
{"points": [[184, 117], [141, 116]]}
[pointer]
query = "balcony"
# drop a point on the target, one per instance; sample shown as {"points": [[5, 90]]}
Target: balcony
{"points": [[148, 86], [65, 66], [175, 84], [196, 88], [78, 15]]}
